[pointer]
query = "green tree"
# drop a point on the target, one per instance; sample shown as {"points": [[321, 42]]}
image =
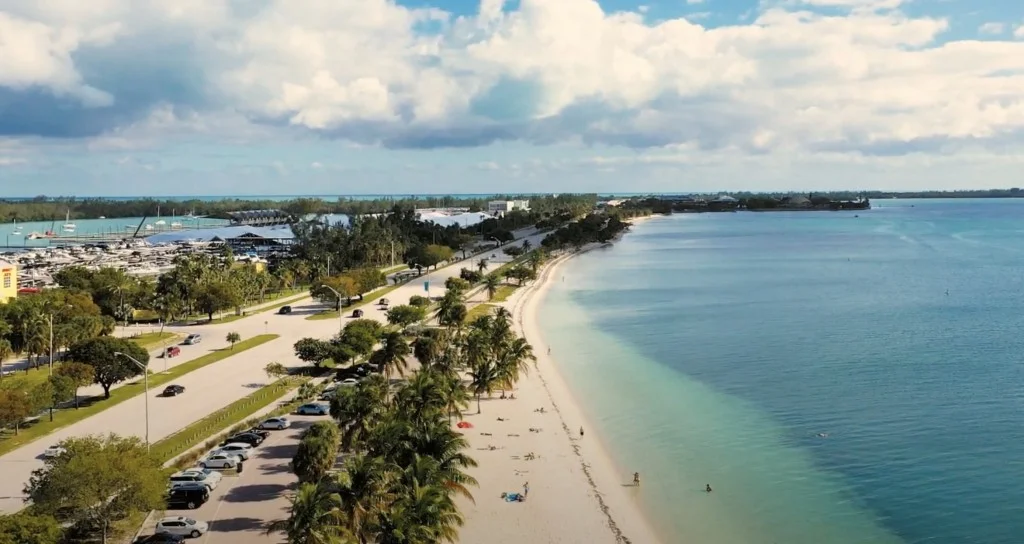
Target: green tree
{"points": [[5, 352], [419, 301], [343, 285], [15, 406], [535, 259], [403, 315], [459, 285], [367, 279], [26, 528], [100, 481], [40, 397], [486, 378], [62, 389], [217, 296], [314, 458], [233, 338], [79, 374], [367, 487], [312, 350], [109, 368], [481, 265], [275, 371]]}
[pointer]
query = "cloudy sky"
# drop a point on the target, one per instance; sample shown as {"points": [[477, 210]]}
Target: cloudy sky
{"points": [[217, 97]]}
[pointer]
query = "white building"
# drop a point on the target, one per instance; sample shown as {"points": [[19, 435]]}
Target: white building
{"points": [[501, 207]]}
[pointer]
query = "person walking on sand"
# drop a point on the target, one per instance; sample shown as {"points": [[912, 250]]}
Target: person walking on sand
{"points": [[581, 432], [636, 479], [526, 489], [549, 350]]}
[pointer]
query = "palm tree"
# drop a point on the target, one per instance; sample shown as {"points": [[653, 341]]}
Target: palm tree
{"points": [[535, 259], [315, 517], [5, 351], [421, 397], [366, 490], [428, 347], [515, 360], [358, 409], [486, 378], [425, 513], [481, 265], [445, 447], [391, 355], [527, 245], [456, 398], [492, 282], [451, 312]]}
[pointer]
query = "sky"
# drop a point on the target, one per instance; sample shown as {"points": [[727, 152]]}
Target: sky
{"points": [[332, 97]]}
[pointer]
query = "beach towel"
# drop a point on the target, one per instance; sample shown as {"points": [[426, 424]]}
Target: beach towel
{"points": [[512, 497]]}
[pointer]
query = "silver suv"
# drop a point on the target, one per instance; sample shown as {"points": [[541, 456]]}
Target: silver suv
{"points": [[193, 339], [208, 478], [182, 526]]}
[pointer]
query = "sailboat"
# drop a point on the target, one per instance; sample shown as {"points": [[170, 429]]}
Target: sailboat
{"points": [[159, 222], [68, 225], [175, 224], [17, 229]]}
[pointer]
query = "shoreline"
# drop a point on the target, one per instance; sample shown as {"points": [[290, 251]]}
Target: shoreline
{"points": [[576, 493]]}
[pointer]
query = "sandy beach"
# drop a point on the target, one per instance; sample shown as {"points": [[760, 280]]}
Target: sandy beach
{"points": [[576, 494]]}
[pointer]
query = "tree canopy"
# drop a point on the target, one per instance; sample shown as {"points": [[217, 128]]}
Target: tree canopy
{"points": [[109, 368]]}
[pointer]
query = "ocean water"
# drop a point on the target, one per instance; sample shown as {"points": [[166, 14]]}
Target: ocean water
{"points": [[17, 236], [713, 349]]}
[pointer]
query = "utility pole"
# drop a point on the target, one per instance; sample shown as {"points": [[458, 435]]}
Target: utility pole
{"points": [[51, 343], [392, 253]]}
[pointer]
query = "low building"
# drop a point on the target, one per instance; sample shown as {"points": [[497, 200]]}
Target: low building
{"points": [[8, 281], [501, 207], [260, 218]]}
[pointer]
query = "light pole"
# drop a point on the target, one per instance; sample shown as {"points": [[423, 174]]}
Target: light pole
{"points": [[145, 374], [341, 318], [50, 316]]}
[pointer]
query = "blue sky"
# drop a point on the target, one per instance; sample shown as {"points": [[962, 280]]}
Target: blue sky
{"points": [[162, 97]]}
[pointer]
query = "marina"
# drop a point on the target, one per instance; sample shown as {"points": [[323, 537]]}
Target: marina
{"points": [[42, 234]]}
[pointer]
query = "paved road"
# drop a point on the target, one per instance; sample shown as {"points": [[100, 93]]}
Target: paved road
{"points": [[212, 387]]}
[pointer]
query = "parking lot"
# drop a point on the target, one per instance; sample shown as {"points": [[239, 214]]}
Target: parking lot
{"points": [[242, 504]]}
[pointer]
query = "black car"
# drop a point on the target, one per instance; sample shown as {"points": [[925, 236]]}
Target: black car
{"points": [[173, 390], [285, 310], [190, 497], [258, 432], [163, 538], [245, 438]]}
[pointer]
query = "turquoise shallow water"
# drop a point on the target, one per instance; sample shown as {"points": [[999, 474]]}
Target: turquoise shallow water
{"points": [[714, 349]]}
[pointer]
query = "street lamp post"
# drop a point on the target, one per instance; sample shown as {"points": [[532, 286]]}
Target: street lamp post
{"points": [[145, 374], [341, 318], [50, 316]]}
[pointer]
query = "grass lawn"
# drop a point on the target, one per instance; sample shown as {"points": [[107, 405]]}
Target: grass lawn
{"points": [[23, 381], [368, 298], [63, 418], [152, 339], [479, 310], [396, 268], [234, 413], [503, 292]]}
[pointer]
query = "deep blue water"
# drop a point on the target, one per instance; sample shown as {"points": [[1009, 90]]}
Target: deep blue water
{"points": [[718, 346]]}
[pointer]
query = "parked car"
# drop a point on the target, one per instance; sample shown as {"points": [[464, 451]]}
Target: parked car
{"points": [[183, 526], [313, 409], [259, 432], [162, 538], [383, 302], [190, 497], [357, 313], [219, 460], [285, 310], [328, 395], [244, 438], [173, 390], [172, 351], [241, 451], [53, 452], [349, 382], [196, 476], [193, 339], [275, 423]]}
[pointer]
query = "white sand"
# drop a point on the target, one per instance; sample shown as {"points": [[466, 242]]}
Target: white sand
{"points": [[576, 493]]}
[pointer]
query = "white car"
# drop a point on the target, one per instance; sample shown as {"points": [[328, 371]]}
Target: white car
{"points": [[53, 451], [196, 476], [183, 526], [219, 460], [349, 382], [276, 423], [241, 451]]}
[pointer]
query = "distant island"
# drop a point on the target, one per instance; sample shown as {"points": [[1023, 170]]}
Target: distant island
{"points": [[755, 203]]}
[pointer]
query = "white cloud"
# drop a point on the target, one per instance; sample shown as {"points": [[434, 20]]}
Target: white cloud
{"points": [[1019, 32], [992, 28], [368, 71], [11, 161], [692, 2]]}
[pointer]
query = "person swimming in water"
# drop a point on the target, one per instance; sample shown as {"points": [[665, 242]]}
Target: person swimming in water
{"points": [[707, 488]]}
